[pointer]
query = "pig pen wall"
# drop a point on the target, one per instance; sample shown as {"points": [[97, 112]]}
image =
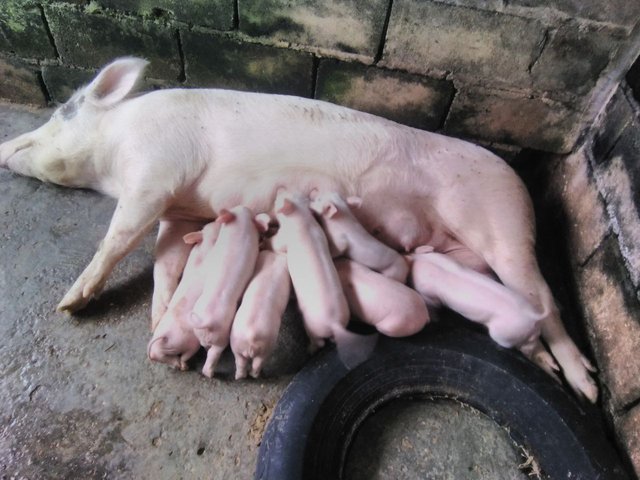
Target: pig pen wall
{"points": [[592, 200], [523, 77], [513, 72]]}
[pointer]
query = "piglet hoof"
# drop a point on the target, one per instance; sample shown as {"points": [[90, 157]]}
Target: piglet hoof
{"points": [[207, 371]]}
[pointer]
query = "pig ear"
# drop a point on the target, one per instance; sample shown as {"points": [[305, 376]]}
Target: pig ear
{"points": [[115, 81], [330, 210], [225, 216], [354, 202], [192, 238], [287, 207], [262, 222]]}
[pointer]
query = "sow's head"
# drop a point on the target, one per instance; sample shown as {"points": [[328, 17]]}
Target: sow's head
{"points": [[64, 150]]}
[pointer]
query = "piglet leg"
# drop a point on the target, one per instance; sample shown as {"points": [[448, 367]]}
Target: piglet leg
{"points": [[171, 257], [135, 214]]}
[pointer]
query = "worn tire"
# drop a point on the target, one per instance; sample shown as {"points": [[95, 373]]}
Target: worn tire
{"points": [[312, 426]]}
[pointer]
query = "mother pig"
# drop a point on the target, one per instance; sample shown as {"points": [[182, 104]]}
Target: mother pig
{"points": [[181, 156]]}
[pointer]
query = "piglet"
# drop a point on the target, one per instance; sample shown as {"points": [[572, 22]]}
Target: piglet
{"points": [[255, 327], [348, 237], [510, 319], [228, 267], [315, 281], [174, 341], [393, 308]]}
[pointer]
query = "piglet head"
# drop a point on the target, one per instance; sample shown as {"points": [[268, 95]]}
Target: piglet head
{"points": [[62, 150], [174, 346]]}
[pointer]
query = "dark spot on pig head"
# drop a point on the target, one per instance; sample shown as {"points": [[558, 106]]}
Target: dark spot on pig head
{"points": [[70, 109]]}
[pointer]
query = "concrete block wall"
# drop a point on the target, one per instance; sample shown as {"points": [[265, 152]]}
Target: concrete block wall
{"points": [[516, 73], [598, 188]]}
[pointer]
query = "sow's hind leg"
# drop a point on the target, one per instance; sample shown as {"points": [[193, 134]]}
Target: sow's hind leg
{"points": [[498, 224]]}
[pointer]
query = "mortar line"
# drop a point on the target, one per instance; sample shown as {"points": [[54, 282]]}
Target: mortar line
{"points": [[445, 117], [47, 29], [235, 22], [543, 44], [314, 76], [383, 37], [627, 407], [598, 247], [182, 76], [43, 87]]}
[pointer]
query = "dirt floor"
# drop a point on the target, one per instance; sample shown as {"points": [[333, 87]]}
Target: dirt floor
{"points": [[80, 399]]}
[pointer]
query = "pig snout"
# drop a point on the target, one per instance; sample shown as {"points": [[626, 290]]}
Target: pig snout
{"points": [[11, 147], [175, 353]]}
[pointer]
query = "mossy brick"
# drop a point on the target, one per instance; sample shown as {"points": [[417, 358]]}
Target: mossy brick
{"points": [[628, 429], [409, 99], [572, 60], [633, 77], [611, 311], [573, 183], [216, 14], [223, 62], [479, 46], [495, 5], [22, 30], [93, 39], [618, 178], [623, 13], [617, 115], [347, 26], [62, 81], [521, 120], [19, 82]]}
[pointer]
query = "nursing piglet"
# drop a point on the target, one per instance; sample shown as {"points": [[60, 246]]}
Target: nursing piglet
{"points": [[390, 306], [174, 341], [348, 237], [510, 319], [228, 268], [257, 322], [315, 281]]}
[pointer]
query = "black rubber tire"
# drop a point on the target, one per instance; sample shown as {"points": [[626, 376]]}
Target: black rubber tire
{"points": [[312, 426]]}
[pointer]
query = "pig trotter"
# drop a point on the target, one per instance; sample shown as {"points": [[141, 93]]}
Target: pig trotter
{"points": [[77, 297], [213, 355]]}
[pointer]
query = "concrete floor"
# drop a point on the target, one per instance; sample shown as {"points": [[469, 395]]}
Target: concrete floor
{"points": [[79, 399]]}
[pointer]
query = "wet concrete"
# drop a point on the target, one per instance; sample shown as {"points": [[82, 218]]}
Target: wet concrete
{"points": [[79, 398]]}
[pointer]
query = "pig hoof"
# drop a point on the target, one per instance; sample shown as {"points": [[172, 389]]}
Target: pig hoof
{"points": [[584, 386], [69, 304]]}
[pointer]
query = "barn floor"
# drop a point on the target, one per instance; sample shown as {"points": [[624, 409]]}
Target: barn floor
{"points": [[79, 399]]}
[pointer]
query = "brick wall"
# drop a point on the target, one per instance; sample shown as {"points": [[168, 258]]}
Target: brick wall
{"points": [[597, 189], [517, 72]]}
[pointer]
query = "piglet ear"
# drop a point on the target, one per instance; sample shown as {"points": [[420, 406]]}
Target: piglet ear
{"points": [[330, 210], [287, 207], [225, 216], [192, 238], [262, 222], [115, 81], [354, 202]]}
